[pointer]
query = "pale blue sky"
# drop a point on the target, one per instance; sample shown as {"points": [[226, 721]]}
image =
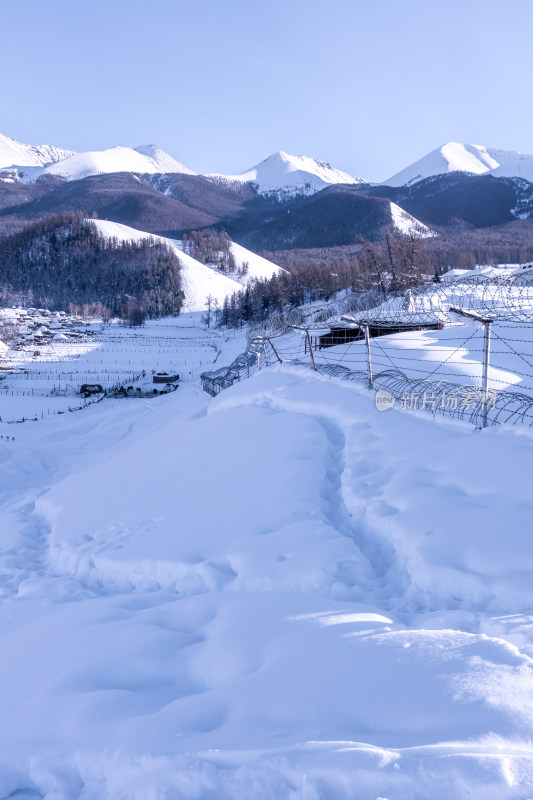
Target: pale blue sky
{"points": [[221, 84]]}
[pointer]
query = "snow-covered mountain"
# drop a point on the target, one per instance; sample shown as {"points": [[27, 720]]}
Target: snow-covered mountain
{"points": [[26, 162], [286, 175], [472, 158], [147, 159], [13, 153]]}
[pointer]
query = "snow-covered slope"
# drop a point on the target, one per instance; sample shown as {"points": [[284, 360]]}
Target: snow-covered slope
{"points": [[471, 158], [258, 267], [407, 224], [198, 281], [146, 159], [16, 154], [288, 175]]}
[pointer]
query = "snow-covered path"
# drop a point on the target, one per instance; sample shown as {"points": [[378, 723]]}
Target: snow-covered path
{"points": [[278, 593]]}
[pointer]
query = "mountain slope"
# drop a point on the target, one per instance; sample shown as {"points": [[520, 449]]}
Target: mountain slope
{"points": [[285, 175], [478, 201], [337, 215], [122, 197], [471, 158]]}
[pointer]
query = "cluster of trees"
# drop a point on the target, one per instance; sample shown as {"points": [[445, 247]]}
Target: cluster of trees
{"points": [[210, 247], [396, 263], [465, 249], [63, 260], [213, 248], [263, 297], [507, 244]]}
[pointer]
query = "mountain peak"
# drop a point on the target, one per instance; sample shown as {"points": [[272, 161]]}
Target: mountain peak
{"points": [[474, 159], [287, 175]]}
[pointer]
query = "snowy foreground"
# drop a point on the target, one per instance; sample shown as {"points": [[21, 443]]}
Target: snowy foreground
{"points": [[278, 593]]}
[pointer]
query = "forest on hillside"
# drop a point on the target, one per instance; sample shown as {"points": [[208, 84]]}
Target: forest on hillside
{"points": [[63, 260]]}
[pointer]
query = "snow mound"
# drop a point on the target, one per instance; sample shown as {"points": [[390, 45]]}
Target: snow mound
{"points": [[144, 160], [16, 154], [198, 280], [288, 175], [471, 158]]}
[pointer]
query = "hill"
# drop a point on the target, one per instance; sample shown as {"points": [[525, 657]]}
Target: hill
{"points": [[66, 259]]}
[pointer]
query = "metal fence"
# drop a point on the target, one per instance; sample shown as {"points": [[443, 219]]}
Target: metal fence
{"points": [[455, 349]]}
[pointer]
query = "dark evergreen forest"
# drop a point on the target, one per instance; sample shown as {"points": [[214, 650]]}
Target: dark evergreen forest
{"points": [[63, 260]]}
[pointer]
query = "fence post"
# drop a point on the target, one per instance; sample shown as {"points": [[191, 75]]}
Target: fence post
{"points": [[485, 381], [265, 351], [310, 347], [275, 351], [368, 357]]}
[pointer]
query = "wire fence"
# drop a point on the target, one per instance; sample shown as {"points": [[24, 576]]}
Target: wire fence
{"points": [[463, 349]]}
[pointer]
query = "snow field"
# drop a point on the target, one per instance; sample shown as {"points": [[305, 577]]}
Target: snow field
{"points": [[49, 383], [276, 593]]}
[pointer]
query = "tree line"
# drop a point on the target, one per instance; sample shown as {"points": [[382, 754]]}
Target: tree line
{"points": [[397, 262]]}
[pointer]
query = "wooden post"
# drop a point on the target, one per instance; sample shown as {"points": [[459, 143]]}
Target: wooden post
{"points": [[276, 352], [310, 347], [485, 381], [369, 357]]}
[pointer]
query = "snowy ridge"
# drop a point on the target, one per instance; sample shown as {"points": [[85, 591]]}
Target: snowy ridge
{"points": [[16, 154], [288, 175], [470, 158], [198, 280], [149, 159]]}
